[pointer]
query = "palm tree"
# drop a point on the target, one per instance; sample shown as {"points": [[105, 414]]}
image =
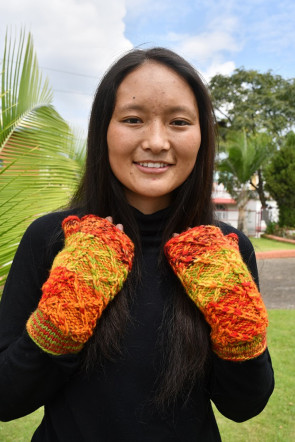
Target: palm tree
{"points": [[40, 157], [244, 157]]}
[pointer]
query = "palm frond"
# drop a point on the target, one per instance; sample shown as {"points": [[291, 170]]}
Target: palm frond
{"points": [[41, 159]]}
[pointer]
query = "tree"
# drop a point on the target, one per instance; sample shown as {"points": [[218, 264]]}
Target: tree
{"points": [[40, 157], [244, 155], [258, 103], [280, 180], [254, 101]]}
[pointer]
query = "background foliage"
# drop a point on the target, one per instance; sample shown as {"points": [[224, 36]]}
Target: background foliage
{"points": [[280, 180], [256, 110], [40, 156]]}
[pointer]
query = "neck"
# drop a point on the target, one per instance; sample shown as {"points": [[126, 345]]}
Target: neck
{"points": [[148, 206]]}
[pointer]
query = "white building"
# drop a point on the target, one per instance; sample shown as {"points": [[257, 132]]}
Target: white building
{"points": [[227, 211]]}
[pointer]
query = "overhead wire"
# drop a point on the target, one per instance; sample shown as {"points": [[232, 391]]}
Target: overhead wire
{"points": [[77, 74]]}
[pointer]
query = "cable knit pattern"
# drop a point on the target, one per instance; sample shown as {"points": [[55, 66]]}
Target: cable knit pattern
{"points": [[85, 276], [215, 277]]}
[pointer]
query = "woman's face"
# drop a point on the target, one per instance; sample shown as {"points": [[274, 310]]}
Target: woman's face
{"points": [[154, 135]]}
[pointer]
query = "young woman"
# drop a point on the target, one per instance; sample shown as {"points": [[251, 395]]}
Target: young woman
{"points": [[128, 313]]}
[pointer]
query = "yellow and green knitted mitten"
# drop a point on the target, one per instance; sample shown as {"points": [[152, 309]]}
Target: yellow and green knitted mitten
{"points": [[215, 277], [85, 276]]}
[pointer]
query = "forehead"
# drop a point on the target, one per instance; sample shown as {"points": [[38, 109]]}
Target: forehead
{"points": [[153, 81]]}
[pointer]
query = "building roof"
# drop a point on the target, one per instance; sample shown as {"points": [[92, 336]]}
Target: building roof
{"points": [[224, 201]]}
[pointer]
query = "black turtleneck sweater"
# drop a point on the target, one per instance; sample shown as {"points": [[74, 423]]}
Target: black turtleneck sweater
{"points": [[112, 404]]}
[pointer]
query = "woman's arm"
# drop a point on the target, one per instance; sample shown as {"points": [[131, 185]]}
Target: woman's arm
{"points": [[214, 275], [241, 390], [28, 376], [84, 277]]}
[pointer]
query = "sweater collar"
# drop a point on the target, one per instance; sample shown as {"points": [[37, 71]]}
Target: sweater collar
{"points": [[152, 226]]}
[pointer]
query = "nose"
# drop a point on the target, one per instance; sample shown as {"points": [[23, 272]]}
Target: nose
{"points": [[156, 137]]}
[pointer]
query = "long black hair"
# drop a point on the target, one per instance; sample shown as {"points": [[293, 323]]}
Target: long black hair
{"points": [[186, 338]]}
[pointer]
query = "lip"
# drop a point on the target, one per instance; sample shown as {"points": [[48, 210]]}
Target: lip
{"points": [[157, 168]]}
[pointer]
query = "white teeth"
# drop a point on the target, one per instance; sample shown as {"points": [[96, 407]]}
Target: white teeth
{"points": [[154, 165]]}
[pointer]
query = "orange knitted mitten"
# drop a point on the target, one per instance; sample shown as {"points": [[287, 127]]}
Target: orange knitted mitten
{"points": [[215, 277], [85, 276]]}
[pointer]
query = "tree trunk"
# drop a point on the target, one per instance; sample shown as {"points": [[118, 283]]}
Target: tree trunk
{"points": [[260, 190], [242, 202], [241, 218]]}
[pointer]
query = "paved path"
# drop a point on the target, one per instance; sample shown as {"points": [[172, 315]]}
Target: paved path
{"points": [[277, 281]]}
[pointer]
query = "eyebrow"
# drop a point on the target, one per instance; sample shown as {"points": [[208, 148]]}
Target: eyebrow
{"points": [[185, 109], [130, 107], [174, 109]]}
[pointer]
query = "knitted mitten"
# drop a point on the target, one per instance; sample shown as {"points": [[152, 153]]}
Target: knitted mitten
{"points": [[215, 277], [85, 276]]}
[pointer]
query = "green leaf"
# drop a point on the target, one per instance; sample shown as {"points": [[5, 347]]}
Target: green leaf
{"points": [[41, 159]]}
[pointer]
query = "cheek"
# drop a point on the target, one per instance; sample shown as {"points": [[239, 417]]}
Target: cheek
{"points": [[114, 156], [114, 146], [189, 159], [119, 160], [190, 153], [119, 143], [117, 163]]}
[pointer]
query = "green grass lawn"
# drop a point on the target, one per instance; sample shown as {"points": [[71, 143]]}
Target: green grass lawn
{"points": [[275, 424], [20, 430], [265, 244]]}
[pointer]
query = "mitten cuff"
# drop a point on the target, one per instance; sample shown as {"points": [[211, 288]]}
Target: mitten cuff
{"points": [[241, 352], [48, 337]]}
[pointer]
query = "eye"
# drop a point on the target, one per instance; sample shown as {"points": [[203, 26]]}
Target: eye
{"points": [[132, 120], [180, 123]]}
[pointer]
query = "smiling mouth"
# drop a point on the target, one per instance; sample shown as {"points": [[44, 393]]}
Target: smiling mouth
{"points": [[152, 165]]}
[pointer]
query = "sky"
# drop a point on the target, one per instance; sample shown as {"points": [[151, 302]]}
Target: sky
{"points": [[77, 40]]}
